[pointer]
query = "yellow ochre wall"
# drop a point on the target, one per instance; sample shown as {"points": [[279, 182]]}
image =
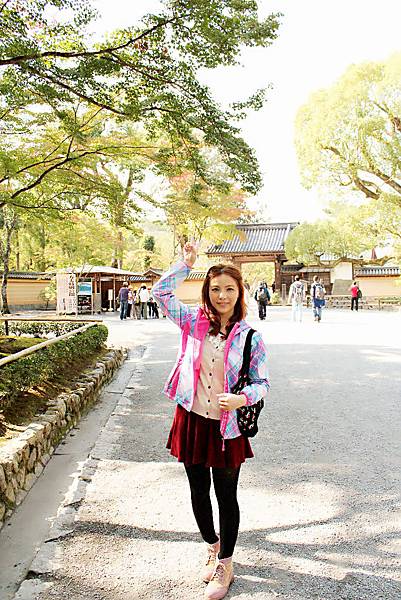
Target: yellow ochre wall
{"points": [[380, 286], [190, 291], [25, 293]]}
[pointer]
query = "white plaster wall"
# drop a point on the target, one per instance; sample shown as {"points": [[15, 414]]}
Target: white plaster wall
{"points": [[341, 271]]}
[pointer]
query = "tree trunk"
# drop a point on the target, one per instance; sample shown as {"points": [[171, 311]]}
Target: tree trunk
{"points": [[5, 308], [17, 252], [6, 269], [9, 223]]}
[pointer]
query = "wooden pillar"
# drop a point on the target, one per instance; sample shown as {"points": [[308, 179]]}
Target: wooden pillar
{"points": [[114, 292], [236, 263], [277, 274]]}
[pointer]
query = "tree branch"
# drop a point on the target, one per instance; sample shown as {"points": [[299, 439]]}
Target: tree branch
{"points": [[16, 60], [72, 90], [363, 187]]}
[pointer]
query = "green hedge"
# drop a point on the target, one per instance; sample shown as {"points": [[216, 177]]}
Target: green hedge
{"points": [[390, 300], [45, 364], [39, 328]]}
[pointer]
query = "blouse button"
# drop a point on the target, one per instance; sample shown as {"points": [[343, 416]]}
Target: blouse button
{"points": [[210, 374], [208, 387]]}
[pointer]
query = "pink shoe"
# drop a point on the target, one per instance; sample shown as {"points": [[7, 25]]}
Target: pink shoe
{"points": [[212, 552], [222, 578]]}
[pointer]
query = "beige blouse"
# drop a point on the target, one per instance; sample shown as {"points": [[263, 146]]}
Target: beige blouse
{"points": [[211, 378]]}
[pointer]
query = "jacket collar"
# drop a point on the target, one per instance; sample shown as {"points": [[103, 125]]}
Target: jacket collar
{"points": [[204, 323]]}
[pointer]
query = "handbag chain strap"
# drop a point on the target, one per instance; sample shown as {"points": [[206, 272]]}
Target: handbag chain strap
{"points": [[246, 361]]}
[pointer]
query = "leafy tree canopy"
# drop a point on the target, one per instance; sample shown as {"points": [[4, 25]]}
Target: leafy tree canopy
{"points": [[146, 72], [347, 232], [348, 136]]}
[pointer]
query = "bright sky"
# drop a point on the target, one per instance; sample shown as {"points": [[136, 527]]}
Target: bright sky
{"points": [[317, 41]]}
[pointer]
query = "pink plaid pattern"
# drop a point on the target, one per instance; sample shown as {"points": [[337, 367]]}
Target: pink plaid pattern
{"points": [[182, 382]]}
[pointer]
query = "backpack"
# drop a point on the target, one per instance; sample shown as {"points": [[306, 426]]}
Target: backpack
{"points": [[359, 293], [262, 295], [298, 293], [319, 291]]}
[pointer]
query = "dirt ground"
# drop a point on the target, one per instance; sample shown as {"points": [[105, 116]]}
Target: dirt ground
{"points": [[320, 503]]}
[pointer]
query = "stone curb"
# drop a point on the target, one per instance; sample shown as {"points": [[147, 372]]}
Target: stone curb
{"points": [[22, 459]]}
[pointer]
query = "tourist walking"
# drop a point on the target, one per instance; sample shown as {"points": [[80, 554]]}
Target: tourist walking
{"points": [[296, 297], [205, 434], [137, 305], [130, 302], [123, 299], [355, 295], [317, 293], [154, 308], [144, 298], [262, 297]]}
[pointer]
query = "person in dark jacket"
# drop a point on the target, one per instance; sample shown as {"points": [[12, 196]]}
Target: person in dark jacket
{"points": [[262, 297], [123, 299]]}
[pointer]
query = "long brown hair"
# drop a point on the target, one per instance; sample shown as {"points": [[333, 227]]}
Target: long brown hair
{"points": [[240, 306]]}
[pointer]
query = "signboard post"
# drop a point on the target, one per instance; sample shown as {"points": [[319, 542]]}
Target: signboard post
{"points": [[85, 297], [67, 300]]}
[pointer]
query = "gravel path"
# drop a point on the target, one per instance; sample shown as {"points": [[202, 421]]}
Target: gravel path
{"points": [[321, 509]]}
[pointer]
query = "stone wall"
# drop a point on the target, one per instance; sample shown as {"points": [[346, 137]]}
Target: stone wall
{"points": [[365, 303], [23, 458]]}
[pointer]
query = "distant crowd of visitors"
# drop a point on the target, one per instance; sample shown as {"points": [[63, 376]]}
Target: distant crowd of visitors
{"points": [[137, 304], [297, 297]]}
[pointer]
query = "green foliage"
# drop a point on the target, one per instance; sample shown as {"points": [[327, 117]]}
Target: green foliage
{"points": [[255, 272], [11, 345], [348, 136], [40, 328], [348, 231], [47, 363], [149, 246], [145, 73], [275, 298]]}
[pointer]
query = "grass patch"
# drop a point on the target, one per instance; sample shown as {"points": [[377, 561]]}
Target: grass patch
{"points": [[12, 345], [30, 403]]}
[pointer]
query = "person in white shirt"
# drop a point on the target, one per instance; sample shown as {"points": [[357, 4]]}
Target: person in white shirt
{"points": [[297, 296], [144, 297]]}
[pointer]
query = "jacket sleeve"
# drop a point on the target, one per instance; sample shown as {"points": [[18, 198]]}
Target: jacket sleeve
{"points": [[258, 371], [164, 289]]}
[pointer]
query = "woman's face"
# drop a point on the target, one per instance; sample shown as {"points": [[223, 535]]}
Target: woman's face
{"points": [[223, 294]]}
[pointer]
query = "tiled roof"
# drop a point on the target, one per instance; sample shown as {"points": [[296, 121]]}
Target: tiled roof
{"points": [[138, 278], [30, 275], [334, 257], [378, 271], [196, 276], [153, 271], [315, 270], [104, 270], [259, 239]]}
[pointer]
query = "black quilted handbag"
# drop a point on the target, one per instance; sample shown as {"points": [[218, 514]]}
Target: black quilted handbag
{"points": [[247, 416]]}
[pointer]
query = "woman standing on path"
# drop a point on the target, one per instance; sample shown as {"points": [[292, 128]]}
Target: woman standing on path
{"points": [[204, 434]]}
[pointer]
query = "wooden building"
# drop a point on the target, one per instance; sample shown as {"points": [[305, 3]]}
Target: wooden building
{"points": [[257, 243], [25, 291]]}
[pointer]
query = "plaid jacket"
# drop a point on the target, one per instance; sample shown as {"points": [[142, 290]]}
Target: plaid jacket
{"points": [[182, 382]]}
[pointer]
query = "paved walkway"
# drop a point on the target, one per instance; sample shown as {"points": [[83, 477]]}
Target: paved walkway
{"points": [[321, 506]]}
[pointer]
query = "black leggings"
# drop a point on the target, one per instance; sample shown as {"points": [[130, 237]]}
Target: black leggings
{"points": [[225, 483]]}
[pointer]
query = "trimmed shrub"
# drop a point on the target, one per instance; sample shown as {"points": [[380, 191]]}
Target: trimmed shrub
{"points": [[275, 298], [46, 363], [39, 328]]}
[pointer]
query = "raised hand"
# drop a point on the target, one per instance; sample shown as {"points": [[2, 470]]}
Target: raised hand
{"points": [[190, 253]]}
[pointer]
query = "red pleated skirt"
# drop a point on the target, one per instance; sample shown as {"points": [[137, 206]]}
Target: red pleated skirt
{"points": [[196, 440]]}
